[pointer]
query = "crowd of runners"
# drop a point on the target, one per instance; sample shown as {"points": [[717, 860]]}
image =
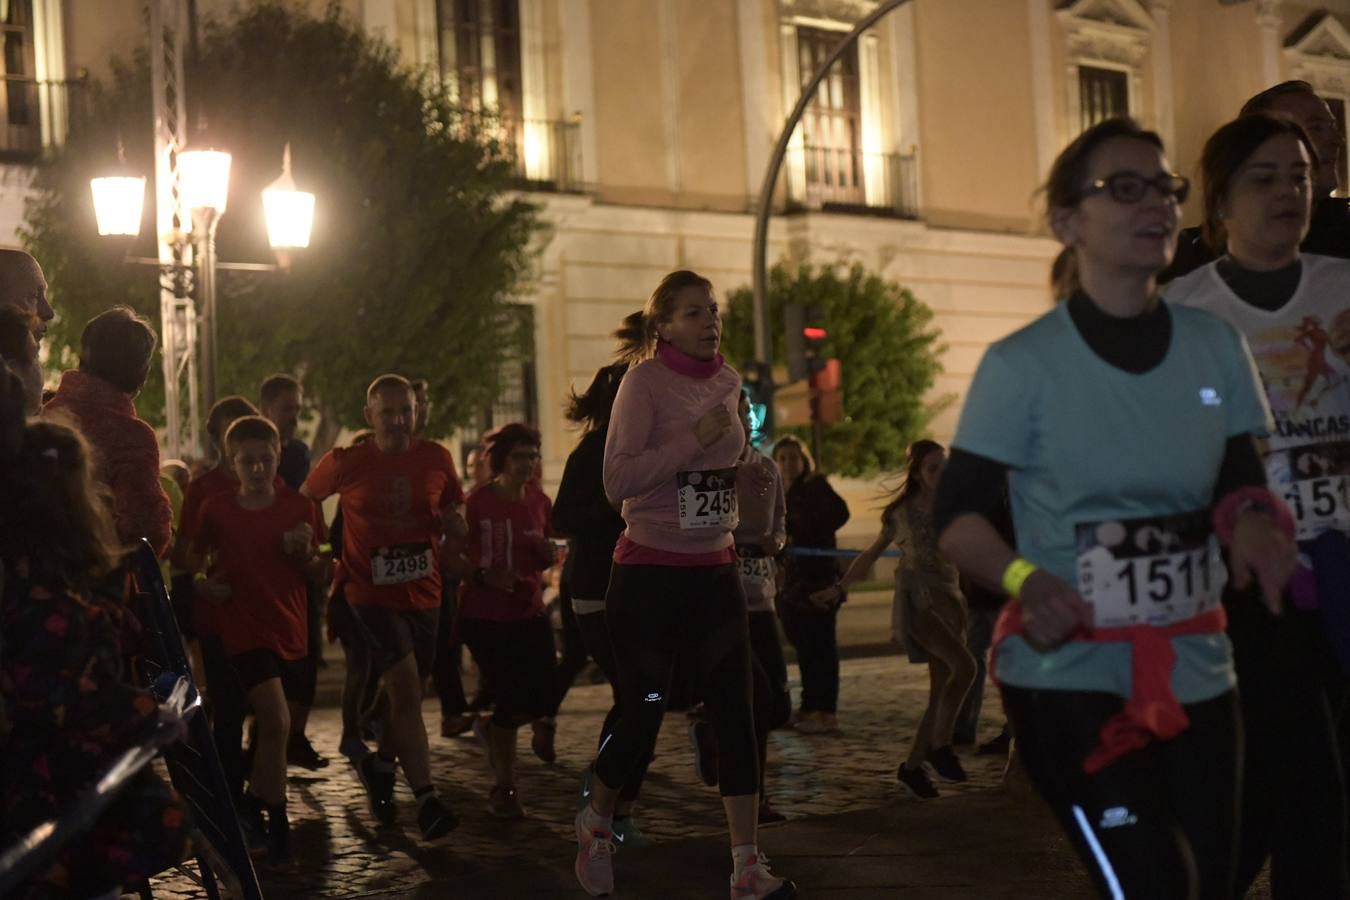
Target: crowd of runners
{"points": [[1139, 533]]}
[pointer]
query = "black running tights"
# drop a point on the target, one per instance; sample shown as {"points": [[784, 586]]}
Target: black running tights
{"points": [[656, 615]]}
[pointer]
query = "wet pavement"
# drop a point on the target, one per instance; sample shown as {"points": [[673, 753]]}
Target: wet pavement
{"points": [[852, 833]]}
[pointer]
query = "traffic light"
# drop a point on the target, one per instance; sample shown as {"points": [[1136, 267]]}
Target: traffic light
{"points": [[804, 335], [759, 382]]}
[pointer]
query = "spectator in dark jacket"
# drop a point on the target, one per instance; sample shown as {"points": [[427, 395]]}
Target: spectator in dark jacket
{"points": [[71, 713], [814, 513]]}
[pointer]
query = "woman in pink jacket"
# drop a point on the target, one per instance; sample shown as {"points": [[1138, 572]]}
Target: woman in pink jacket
{"points": [[670, 459]]}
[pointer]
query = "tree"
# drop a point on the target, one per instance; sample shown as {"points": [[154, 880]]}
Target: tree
{"points": [[418, 242], [887, 346]]}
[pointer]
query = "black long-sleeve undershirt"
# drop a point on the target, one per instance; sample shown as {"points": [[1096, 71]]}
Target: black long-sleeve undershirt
{"points": [[976, 484]]}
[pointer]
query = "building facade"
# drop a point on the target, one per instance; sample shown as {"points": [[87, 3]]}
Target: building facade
{"points": [[643, 128]]}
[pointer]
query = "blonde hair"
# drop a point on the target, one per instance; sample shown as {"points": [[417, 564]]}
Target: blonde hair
{"points": [[637, 335]]}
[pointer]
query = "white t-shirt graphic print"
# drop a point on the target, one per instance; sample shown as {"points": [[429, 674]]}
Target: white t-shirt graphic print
{"points": [[1302, 352]]}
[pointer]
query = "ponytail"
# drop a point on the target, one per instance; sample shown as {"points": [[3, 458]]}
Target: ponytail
{"points": [[632, 338], [1064, 274]]}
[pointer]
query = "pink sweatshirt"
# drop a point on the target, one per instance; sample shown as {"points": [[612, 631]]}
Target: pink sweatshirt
{"points": [[651, 451]]}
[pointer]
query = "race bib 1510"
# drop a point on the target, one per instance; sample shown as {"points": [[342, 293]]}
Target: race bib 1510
{"points": [[402, 563], [707, 499], [1152, 571]]}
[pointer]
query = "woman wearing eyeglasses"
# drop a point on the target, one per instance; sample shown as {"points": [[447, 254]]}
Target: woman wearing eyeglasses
{"points": [[501, 605], [1294, 311], [1124, 428]]}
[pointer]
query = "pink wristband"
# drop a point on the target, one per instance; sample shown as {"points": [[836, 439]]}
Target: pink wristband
{"points": [[1235, 503]]}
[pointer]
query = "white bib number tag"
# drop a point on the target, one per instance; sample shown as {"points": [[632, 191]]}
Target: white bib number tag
{"points": [[707, 499], [1317, 488], [1154, 571], [401, 563], [756, 571]]}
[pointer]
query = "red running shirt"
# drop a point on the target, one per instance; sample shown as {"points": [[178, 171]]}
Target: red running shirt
{"points": [[391, 519], [506, 534], [210, 483], [268, 606]]}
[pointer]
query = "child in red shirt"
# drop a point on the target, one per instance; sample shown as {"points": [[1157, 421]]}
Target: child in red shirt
{"points": [[196, 615], [261, 539]]}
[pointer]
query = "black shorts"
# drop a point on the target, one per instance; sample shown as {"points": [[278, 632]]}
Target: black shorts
{"points": [[253, 667], [394, 633], [517, 659]]}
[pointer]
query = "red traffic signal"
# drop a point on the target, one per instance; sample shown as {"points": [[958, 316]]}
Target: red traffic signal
{"points": [[812, 333]]}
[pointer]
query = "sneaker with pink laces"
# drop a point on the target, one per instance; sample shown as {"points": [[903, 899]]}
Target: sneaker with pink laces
{"points": [[595, 858], [756, 882]]}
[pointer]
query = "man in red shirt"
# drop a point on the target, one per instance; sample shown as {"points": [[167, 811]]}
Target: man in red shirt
{"points": [[115, 353], [401, 497]]}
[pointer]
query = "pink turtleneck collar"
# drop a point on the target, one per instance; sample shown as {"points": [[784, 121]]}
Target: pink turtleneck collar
{"points": [[685, 364]]}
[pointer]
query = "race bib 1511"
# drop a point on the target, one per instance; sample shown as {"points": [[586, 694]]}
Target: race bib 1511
{"points": [[1151, 571]]}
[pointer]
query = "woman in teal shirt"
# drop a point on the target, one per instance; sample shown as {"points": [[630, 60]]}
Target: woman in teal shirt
{"points": [[1124, 428]]}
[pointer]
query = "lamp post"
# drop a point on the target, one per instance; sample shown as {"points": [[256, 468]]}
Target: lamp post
{"points": [[203, 187], [763, 346]]}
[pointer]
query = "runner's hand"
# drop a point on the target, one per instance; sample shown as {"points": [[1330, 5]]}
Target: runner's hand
{"points": [[298, 541], [757, 477], [453, 521], [715, 423], [1052, 610], [1259, 549], [825, 598]]}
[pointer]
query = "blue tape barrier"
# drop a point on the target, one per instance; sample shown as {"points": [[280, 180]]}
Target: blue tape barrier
{"points": [[847, 554]]}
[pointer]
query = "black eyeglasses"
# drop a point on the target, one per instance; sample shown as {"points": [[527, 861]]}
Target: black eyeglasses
{"points": [[1130, 187]]}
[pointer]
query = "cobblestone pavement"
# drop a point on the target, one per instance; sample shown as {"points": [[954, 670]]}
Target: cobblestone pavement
{"points": [[344, 853], [979, 840]]}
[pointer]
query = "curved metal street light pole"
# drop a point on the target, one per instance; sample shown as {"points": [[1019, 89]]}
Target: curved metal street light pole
{"points": [[763, 349]]}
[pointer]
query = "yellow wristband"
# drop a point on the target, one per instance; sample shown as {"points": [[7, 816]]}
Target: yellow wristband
{"points": [[1018, 571], [325, 548]]}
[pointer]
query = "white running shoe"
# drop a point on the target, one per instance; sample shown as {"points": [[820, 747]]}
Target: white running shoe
{"points": [[595, 858], [758, 883]]}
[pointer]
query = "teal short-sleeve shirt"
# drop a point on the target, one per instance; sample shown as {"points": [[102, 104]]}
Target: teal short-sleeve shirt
{"points": [[1088, 442]]}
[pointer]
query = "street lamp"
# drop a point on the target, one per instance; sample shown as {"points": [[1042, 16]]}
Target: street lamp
{"points": [[118, 203], [204, 190], [289, 213]]}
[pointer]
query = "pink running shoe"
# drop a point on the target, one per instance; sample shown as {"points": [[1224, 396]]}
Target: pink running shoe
{"points": [[595, 858], [758, 883]]}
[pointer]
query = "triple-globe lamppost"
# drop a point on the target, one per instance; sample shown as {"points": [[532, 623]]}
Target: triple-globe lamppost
{"points": [[203, 190]]}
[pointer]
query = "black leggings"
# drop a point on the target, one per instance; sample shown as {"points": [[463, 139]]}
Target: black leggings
{"points": [[773, 702], [517, 659], [1293, 793], [656, 615], [575, 650], [595, 634], [227, 703], [1161, 822]]}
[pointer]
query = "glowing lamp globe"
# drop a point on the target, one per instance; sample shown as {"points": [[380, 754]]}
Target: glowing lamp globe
{"points": [[290, 217], [289, 213], [204, 179], [118, 203]]}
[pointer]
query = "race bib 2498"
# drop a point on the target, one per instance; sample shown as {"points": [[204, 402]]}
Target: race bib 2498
{"points": [[402, 563]]}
